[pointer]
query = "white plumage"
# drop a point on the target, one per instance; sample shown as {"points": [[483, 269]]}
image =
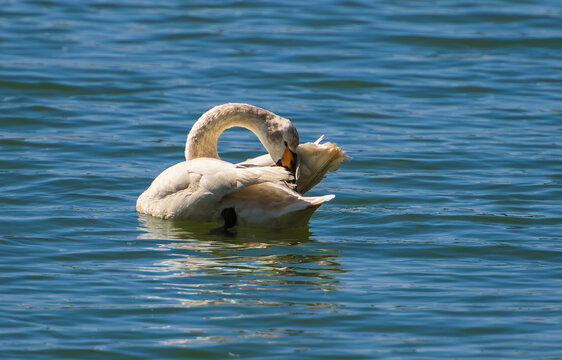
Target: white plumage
{"points": [[257, 191]]}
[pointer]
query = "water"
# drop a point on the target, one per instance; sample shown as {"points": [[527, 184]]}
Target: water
{"points": [[443, 240]]}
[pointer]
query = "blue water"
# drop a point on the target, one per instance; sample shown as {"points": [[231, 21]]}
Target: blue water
{"points": [[443, 241]]}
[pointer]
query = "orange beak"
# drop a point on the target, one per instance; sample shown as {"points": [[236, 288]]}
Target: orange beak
{"points": [[288, 160]]}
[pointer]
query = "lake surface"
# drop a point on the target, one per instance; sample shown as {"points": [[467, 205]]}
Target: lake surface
{"points": [[444, 239]]}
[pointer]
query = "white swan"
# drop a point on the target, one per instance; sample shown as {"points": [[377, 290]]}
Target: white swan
{"points": [[254, 192]]}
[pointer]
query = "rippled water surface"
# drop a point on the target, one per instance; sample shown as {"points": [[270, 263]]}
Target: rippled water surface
{"points": [[443, 241]]}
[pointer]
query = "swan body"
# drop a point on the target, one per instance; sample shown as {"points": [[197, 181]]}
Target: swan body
{"points": [[254, 192]]}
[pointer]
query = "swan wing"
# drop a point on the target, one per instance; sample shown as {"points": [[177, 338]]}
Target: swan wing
{"points": [[263, 160], [192, 189], [315, 160]]}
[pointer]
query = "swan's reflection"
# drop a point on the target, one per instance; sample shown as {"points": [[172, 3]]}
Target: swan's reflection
{"points": [[202, 259]]}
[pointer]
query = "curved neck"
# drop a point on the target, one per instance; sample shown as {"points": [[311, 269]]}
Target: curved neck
{"points": [[204, 135]]}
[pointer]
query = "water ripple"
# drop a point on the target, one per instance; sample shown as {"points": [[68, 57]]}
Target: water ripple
{"points": [[443, 238]]}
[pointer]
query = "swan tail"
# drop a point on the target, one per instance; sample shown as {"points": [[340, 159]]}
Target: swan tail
{"points": [[318, 200], [273, 204], [301, 211]]}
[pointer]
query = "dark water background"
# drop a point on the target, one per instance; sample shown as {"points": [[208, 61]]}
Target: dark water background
{"points": [[444, 240]]}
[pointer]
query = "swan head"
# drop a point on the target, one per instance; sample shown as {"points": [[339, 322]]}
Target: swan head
{"points": [[284, 140]]}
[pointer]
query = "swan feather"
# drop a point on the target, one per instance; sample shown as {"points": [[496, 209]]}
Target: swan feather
{"points": [[259, 192]]}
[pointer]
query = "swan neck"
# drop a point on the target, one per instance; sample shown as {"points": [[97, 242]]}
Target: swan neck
{"points": [[204, 135]]}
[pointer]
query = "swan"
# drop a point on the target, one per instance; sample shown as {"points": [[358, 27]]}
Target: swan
{"points": [[266, 190]]}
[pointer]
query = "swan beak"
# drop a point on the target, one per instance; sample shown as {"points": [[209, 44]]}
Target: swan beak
{"points": [[288, 160]]}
